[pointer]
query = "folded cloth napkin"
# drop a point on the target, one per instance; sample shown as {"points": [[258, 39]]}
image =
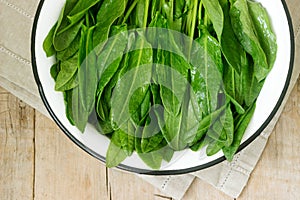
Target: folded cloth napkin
{"points": [[16, 76]]}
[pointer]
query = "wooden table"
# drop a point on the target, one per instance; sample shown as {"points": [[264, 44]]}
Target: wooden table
{"points": [[37, 161]]}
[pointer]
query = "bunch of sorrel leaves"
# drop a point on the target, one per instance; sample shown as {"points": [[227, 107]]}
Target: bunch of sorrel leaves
{"points": [[159, 76]]}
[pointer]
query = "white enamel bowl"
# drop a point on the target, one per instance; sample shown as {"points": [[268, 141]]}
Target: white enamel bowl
{"points": [[185, 161]]}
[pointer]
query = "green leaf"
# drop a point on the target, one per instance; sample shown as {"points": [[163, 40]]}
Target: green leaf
{"points": [[245, 31], [240, 128], [152, 159], [104, 100], [180, 130], [64, 39], [167, 153], [151, 135], [222, 130], [199, 144], [251, 86], [141, 12], [173, 81], [206, 123], [127, 139], [80, 9], [231, 48], [54, 70], [233, 83], [68, 103], [109, 11], [65, 32], [115, 154], [215, 14], [149, 144], [48, 42], [79, 115], [140, 62], [67, 75], [138, 107], [264, 30], [206, 77], [70, 51], [110, 58], [87, 74], [238, 107]]}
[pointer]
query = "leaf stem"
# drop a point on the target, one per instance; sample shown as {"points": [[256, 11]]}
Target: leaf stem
{"points": [[130, 11], [194, 19], [200, 16], [87, 20], [147, 5], [193, 24]]}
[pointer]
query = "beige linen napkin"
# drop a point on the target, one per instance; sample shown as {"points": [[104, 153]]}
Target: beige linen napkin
{"points": [[16, 76]]}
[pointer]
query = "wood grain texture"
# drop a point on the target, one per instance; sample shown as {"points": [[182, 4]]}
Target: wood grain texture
{"points": [[37, 161], [124, 186], [62, 170], [278, 171], [16, 148]]}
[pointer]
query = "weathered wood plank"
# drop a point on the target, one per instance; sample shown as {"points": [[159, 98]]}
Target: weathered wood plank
{"points": [[124, 186], [16, 148], [62, 170], [277, 175]]}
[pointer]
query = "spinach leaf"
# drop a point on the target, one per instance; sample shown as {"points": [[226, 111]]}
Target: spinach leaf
{"points": [[127, 140], [201, 143], [152, 159], [111, 56], [80, 9], [71, 50], [170, 65], [104, 100], [215, 14], [238, 107], [241, 125], [222, 130], [139, 108], [142, 9], [67, 75], [168, 153], [54, 70], [180, 130], [115, 154], [65, 32], [233, 84], [206, 123], [231, 48], [151, 136], [64, 39], [87, 74], [148, 144], [173, 81], [264, 30], [251, 86], [245, 31], [63, 22], [48, 42], [68, 103], [109, 11], [140, 62], [77, 111], [206, 77]]}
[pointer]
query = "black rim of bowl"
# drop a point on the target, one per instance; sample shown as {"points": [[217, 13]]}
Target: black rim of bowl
{"points": [[160, 172]]}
